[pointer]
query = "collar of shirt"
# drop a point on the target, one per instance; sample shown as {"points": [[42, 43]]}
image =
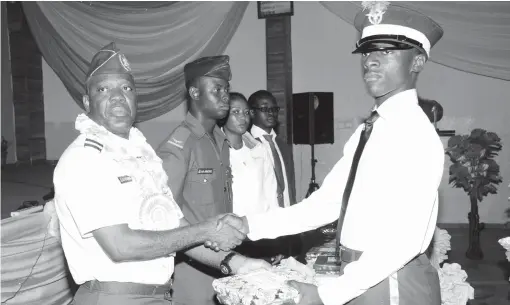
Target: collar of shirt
{"points": [[254, 146], [198, 129], [119, 149], [87, 126], [394, 105], [258, 132]]}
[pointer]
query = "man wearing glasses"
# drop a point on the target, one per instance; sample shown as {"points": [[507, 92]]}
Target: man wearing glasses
{"points": [[264, 112]]}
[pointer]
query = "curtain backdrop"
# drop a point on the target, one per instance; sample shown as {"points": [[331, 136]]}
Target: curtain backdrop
{"points": [[476, 34], [158, 38], [34, 269]]}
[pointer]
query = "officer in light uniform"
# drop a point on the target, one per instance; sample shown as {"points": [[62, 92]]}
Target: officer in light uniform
{"points": [[119, 223], [388, 213]]}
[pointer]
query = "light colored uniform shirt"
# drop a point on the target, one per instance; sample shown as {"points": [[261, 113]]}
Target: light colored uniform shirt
{"points": [[258, 132], [254, 181], [104, 180], [392, 211]]}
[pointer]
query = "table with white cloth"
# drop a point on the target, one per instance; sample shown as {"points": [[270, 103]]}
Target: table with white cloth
{"points": [[34, 269]]}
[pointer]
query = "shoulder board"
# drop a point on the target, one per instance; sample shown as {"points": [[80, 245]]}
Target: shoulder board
{"points": [[93, 144], [250, 141], [179, 137]]}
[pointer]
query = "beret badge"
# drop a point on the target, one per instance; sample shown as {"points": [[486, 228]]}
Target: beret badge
{"points": [[124, 62]]}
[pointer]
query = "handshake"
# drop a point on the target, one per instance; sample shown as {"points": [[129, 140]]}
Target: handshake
{"points": [[226, 232]]}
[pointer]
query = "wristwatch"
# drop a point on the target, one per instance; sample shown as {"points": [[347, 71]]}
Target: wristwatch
{"points": [[224, 266]]}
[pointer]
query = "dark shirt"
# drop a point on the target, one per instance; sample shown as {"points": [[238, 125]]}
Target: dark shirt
{"points": [[199, 173]]}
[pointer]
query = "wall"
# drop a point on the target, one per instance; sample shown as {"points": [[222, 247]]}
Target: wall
{"points": [[27, 87], [324, 63], [8, 131]]}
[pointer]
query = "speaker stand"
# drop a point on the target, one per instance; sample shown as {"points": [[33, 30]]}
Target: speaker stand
{"points": [[313, 186], [326, 232]]}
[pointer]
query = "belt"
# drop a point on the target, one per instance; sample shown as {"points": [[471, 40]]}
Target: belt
{"points": [[348, 255], [128, 288]]}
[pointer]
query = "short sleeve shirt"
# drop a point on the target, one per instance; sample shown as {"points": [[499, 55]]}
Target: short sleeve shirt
{"points": [[103, 180]]}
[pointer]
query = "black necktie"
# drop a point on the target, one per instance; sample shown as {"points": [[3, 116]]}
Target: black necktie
{"points": [[278, 170], [365, 134]]}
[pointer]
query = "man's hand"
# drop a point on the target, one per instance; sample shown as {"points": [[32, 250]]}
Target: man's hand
{"points": [[232, 220], [223, 238], [241, 264], [240, 223], [308, 293]]}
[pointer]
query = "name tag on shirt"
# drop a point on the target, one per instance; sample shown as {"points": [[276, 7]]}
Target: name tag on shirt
{"points": [[125, 179], [202, 171]]}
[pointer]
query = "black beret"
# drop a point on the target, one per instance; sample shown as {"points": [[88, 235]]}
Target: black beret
{"points": [[213, 66]]}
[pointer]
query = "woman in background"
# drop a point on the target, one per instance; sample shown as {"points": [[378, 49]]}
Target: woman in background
{"points": [[254, 180]]}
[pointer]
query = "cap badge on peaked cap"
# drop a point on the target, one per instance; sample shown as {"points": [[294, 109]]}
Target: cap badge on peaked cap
{"points": [[377, 10]]}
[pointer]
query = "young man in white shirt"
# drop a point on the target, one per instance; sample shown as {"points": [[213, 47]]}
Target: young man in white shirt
{"points": [[264, 115], [397, 161], [265, 119]]}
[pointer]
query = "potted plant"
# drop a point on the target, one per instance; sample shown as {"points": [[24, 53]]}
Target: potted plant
{"points": [[475, 171]]}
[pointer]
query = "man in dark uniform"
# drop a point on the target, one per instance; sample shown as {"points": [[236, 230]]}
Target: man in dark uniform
{"points": [[196, 159]]}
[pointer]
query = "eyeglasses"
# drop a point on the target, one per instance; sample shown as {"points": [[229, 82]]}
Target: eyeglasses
{"points": [[268, 109]]}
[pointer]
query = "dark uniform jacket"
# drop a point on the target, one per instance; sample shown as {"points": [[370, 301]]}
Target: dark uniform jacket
{"points": [[199, 173], [199, 176]]}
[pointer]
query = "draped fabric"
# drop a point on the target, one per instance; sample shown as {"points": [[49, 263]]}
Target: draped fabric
{"points": [[158, 38], [476, 34], [34, 269]]}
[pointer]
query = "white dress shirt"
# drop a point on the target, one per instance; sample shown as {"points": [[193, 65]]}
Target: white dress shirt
{"points": [[103, 180], [254, 181], [392, 211], [258, 132]]}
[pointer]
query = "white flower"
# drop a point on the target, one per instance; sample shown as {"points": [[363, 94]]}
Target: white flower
{"points": [[454, 288], [440, 247], [505, 242]]}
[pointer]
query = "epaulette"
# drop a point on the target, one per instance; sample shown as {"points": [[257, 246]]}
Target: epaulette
{"points": [[250, 141], [179, 136], [93, 144]]}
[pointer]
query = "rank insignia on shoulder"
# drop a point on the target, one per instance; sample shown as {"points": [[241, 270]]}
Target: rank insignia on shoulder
{"points": [[175, 142], [93, 144], [179, 137], [125, 179], [202, 171]]}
